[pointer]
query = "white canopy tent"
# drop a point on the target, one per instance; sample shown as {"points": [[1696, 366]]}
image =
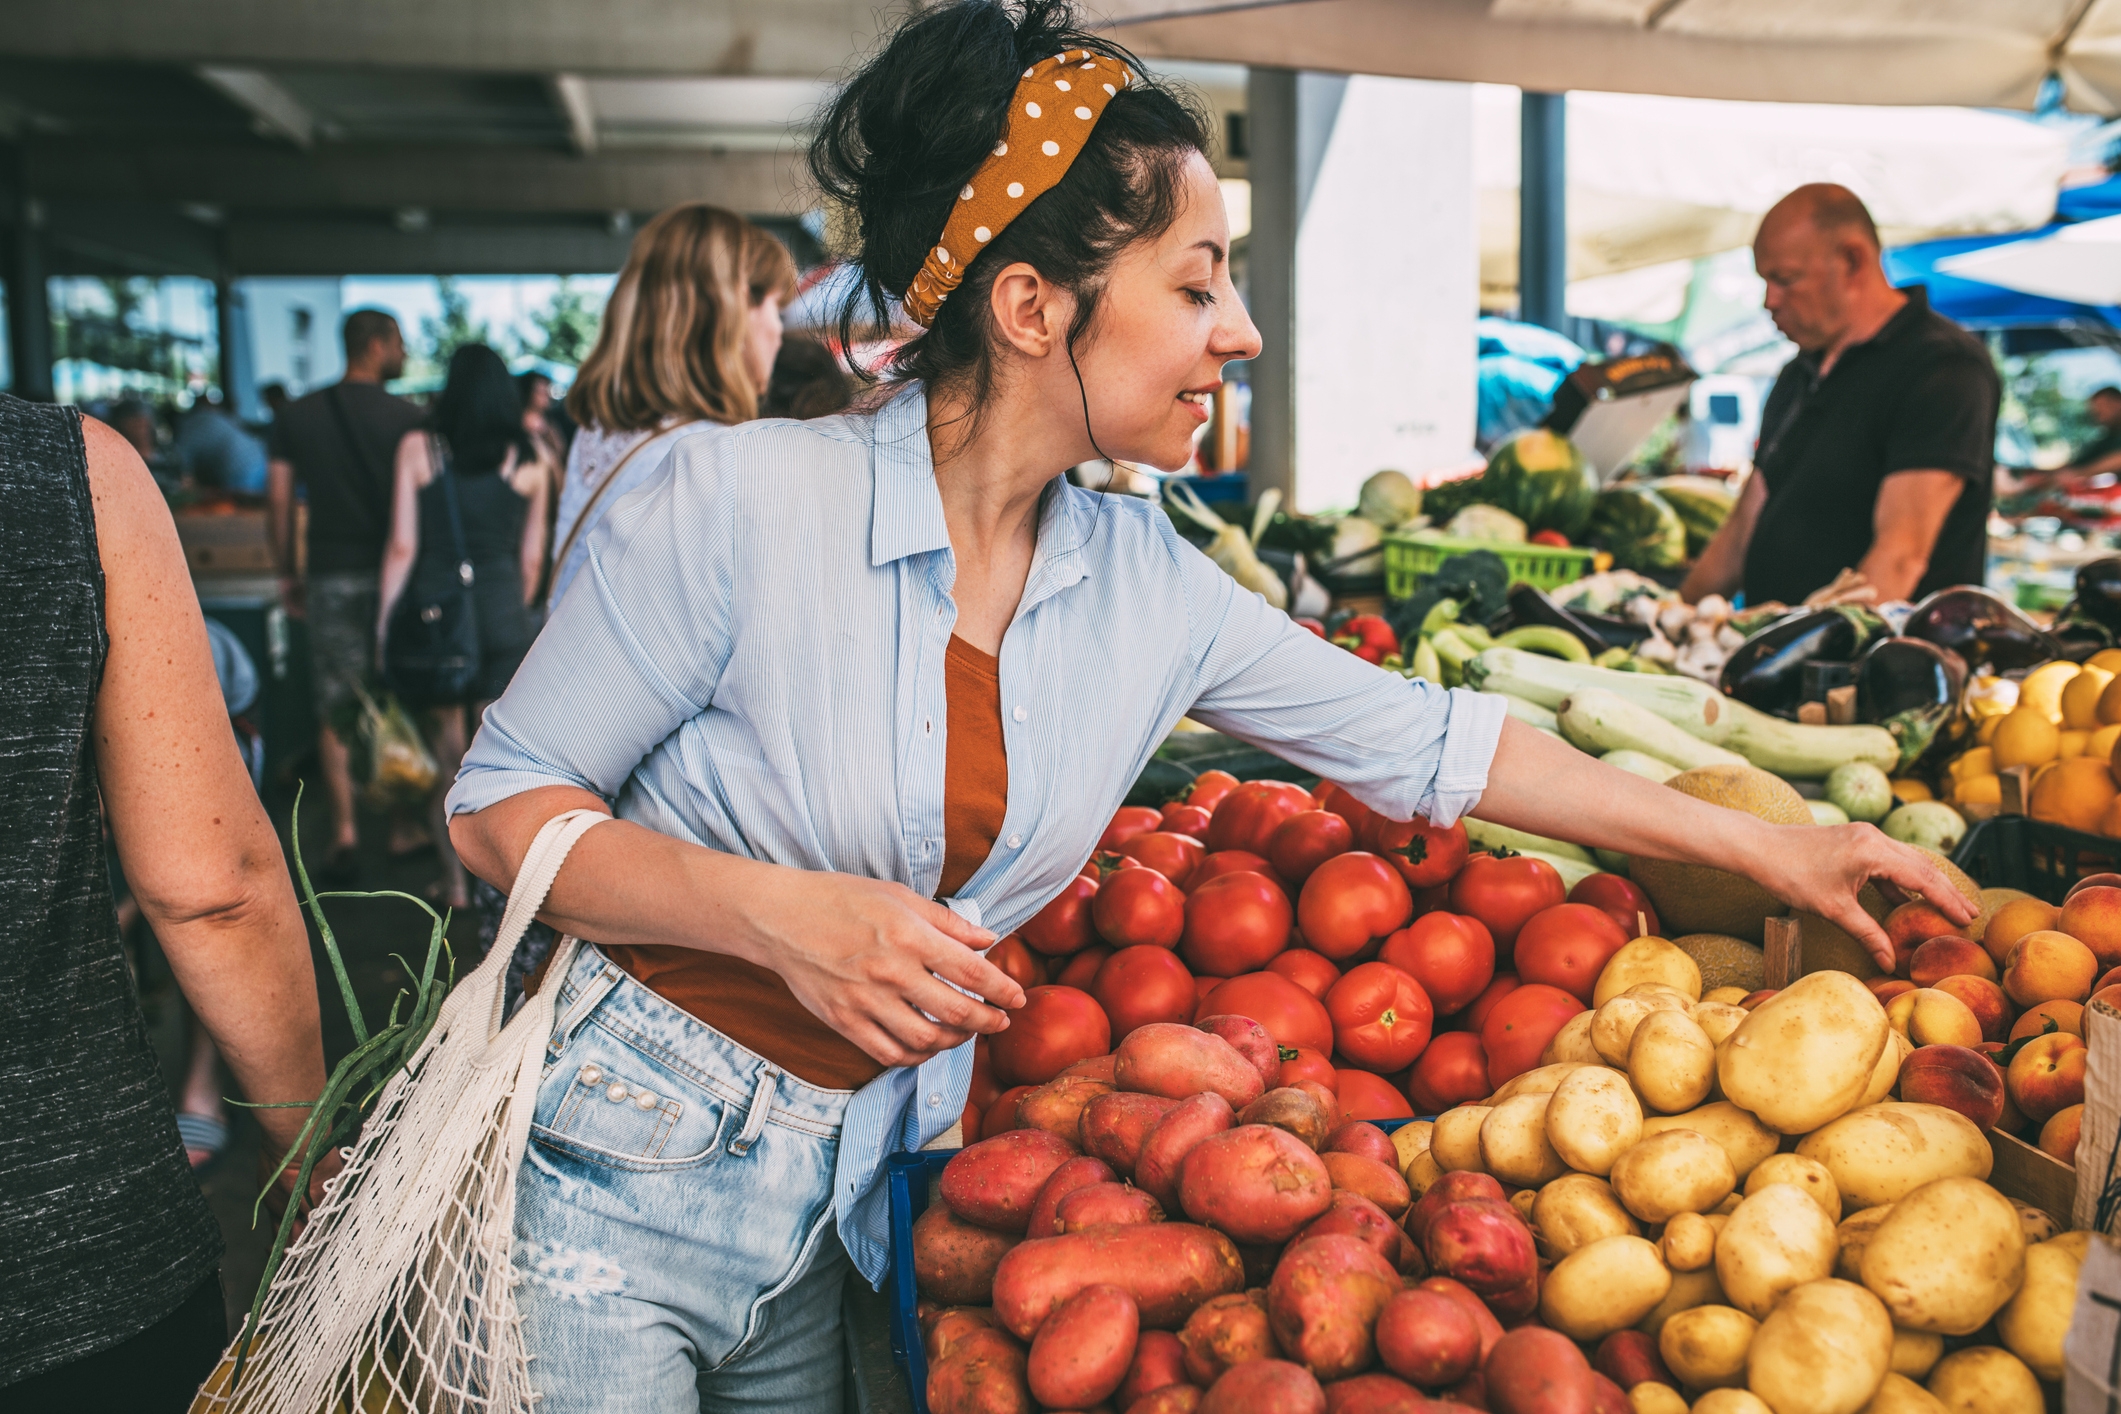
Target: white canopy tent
{"points": [[2080, 263]]}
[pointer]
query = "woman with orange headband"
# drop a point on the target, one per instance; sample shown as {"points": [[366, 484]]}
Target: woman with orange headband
{"points": [[861, 693]]}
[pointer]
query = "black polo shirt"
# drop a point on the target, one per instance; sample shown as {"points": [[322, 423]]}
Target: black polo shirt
{"points": [[1920, 395]]}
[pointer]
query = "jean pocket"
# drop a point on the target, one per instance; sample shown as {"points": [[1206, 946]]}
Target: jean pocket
{"points": [[605, 1103]]}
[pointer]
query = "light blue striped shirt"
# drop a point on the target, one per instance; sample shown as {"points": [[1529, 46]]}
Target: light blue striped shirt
{"points": [[752, 660]]}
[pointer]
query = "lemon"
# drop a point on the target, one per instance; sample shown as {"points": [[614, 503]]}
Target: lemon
{"points": [[1980, 761], [2043, 686], [2070, 744], [2081, 697], [2106, 660], [1907, 790], [1978, 790], [2025, 737], [1986, 732]]}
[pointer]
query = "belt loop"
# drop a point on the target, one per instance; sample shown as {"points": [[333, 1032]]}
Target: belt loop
{"points": [[761, 1106], [586, 1002]]}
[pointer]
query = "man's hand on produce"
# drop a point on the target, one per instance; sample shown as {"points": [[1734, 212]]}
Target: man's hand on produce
{"points": [[1822, 870], [884, 967]]}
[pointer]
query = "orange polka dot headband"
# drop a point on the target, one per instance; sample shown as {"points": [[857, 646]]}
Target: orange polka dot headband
{"points": [[1057, 104]]}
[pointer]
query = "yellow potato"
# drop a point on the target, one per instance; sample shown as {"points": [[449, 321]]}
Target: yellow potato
{"points": [[1593, 1118], [1573, 1043], [1676, 1172], [1540, 1080], [1916, 1353], [1671, 1062], [1901, 1395], [1824, 1349], [1718, 1019], [1732, 1401], [1456, 1139], [1689, 1243], [1613, 1025], [1882, 1152], [1807, 1174], [1522, 1201], [1726, 996], [1805, 1056], [1983, 1379], [2033, 1322], [1947, 1257], [1745, 1139], [1422, 1173], [1605, 1286], [1706, 1346], [2075, 1243], [1576, 1210], [1777, 1240], [1513, 1143], [1689, 1289], [1897, 1049], [1410, 1139], [1852, 1237], [1650, 1397], [1648, 959]]}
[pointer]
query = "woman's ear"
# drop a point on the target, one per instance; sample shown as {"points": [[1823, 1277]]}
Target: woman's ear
{"points": [[1030, 313]]}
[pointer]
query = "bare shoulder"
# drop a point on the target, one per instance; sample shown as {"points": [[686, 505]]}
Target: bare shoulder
{"points": [[132, 520]]}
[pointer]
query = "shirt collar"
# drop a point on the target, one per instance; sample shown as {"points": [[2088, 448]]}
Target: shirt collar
{"points": [[907, 516], [1918, 305]]}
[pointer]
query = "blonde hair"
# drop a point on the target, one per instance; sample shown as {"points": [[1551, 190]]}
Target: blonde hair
{"points": [[671, 343]]}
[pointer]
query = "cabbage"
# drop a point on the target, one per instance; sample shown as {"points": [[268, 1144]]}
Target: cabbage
{"points": [[1351, 536], [1486, 523], [1389, 499]]}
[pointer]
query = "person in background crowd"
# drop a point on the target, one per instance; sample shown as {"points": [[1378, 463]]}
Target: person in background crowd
{"points": [[274, 396], [686, 345], [340, 443], [110, 1294], [502, 486], [808, 381], [134, 419], [2102, 455], [213, 449], [1877, 444]]}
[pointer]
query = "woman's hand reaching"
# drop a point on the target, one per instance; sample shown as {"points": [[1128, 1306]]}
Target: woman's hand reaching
{"points": [[1822, 869]]}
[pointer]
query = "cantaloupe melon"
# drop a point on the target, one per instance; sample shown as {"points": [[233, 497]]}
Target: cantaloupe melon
{"points": [[1693, 898], [1828, 947], [1724, 961]]}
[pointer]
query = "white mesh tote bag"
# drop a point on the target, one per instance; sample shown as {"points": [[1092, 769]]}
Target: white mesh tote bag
{"points": [[398, 1295]]}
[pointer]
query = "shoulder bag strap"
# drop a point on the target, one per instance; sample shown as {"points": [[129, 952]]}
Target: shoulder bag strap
{"points": [[439, 450], [574, 532]]}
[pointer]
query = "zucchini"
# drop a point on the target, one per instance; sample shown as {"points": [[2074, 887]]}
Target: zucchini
{"points": [[1486, 835], [1650, 768], [1572, 871], [1531, 714], [1612, 861], [1598, 721], [1425, 663]]}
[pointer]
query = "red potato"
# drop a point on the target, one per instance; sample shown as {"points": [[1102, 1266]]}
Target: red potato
{"points": [[1159, 1362], [984, 1374], [1105, 1204], [1090, 1067], [1472, 1392], [996, 1181], [1607, 1397], [1163, 1153], [1260, 1261], [1078, 1172], [1114, 1126], [1169, 1268], [947, 1326], [1324, 1302], [1377, 1182], [1257, 1183], [1083, 1349], [1367, 1096], [1483, 1244], [1227, 1331], [1328, 1098], [1296, 1111], [1472, 1305], [1353, 1215], [1375, 1394], [1171, 1399], [1517, 1306], [1057, 1105], [1362, 1137], [1630, 1357], [1265, 1387], [1176, 1061], [1533, 1370], [1427, 1337], [1451, 1188], [954, 1260], [1250, 1040]]}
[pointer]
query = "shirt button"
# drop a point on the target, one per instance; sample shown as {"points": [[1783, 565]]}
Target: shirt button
{"points": [[934, 1100], [1016, 841], [1020, 714]]}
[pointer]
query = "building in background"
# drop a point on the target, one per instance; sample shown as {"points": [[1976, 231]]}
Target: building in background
{"points": [[294, 332]]}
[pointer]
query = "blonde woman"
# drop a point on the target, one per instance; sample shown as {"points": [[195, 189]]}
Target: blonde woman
{"points": [[687, 344]]}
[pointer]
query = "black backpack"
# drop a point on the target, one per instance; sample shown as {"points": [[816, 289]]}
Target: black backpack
{"points": [[431, 644]]}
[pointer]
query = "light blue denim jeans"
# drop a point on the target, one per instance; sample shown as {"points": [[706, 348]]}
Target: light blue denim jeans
{"points": [[674, 1231]]}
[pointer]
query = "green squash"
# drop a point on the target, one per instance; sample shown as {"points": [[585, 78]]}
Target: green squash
{"points": [[1542, 479], [1639, 527]]}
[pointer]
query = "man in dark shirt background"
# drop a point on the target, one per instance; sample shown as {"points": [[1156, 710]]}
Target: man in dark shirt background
{"points": [[1877, 444], [2102, 455], [341, 443]]}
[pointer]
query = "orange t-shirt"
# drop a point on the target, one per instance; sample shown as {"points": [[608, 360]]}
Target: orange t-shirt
{"points": [[751, 1004]]}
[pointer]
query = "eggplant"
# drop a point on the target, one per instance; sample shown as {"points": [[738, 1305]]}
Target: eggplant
{"points": [[1767, 670], [1982, 628], [2080, 634], [1910, 687], [2099, 591], [1530, 604]]}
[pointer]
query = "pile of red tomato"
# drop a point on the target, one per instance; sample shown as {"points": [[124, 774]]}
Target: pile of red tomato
{"points": [[1389, 964]]}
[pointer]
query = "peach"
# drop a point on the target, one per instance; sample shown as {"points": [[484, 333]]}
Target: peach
{"points": [[1753, 999], [2047, 1076], [2093, 917], [2059, 1135], [1914, 923], [2067, 1016], [1957, 1078], [2094, 881], [1885, 988], [2013, 921], [2049, 966], [1949, 957], [2107, 979], [2012, 1121], [1929, 1017], [1984, 999], [2110, 994]]}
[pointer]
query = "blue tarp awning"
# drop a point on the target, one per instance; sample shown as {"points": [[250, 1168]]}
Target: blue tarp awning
{"points": [[1980, 306]]}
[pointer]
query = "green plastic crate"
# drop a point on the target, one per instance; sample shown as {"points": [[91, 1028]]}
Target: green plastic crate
{"points": [[1409, 557]]}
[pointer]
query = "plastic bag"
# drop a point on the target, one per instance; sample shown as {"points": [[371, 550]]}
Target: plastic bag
{"points": [[401, 771]]}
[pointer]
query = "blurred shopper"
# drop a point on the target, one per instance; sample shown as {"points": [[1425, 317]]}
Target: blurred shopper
{"points": [[2102, 455], [500, 484], [134, 419], [686, 345], [808, 381], [110, 709], [1877, 444], [339, 443], [213, 449]]}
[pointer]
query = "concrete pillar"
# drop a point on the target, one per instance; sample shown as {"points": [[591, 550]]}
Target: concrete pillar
{"points": [[1543, 211], [238, 374], [29, 317]]}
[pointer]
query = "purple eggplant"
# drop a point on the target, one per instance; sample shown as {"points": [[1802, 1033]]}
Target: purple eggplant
{"points": [[1911, 688], [1767, 670], [1982, 628]]}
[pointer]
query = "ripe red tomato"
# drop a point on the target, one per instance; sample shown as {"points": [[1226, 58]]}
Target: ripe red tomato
{"points": [[1139, 985], [1209, 788], [1127, 822], [1504, 892], [1135, 907], [1306, 840], [1000, 1117], [969, 1122], [1055, 1028], [1360, 817], [1063, 926], [1304, 1063], [1017, 962], [1183, 819], [1234, 924], [1350, 901], [1292, 1016], [1173, 856], [984, 1086], [1248, 815], [1424, 855], [1518, 1028], [1567, 946], [1381, 1017], [1312, 971], [1367, 1096], [1236, 861], [1201, 987], [1621, 899], [1450, 955], [1082, 967], [1452, 1071], [1550, 537], [1501, 985]]}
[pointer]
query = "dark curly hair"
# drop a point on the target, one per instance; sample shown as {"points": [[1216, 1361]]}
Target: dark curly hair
{"points": [[910, 127]]}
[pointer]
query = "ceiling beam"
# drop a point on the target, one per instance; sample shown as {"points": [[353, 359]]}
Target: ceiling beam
{"points": [[274, 112], [570, 95], [345, 246]]}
